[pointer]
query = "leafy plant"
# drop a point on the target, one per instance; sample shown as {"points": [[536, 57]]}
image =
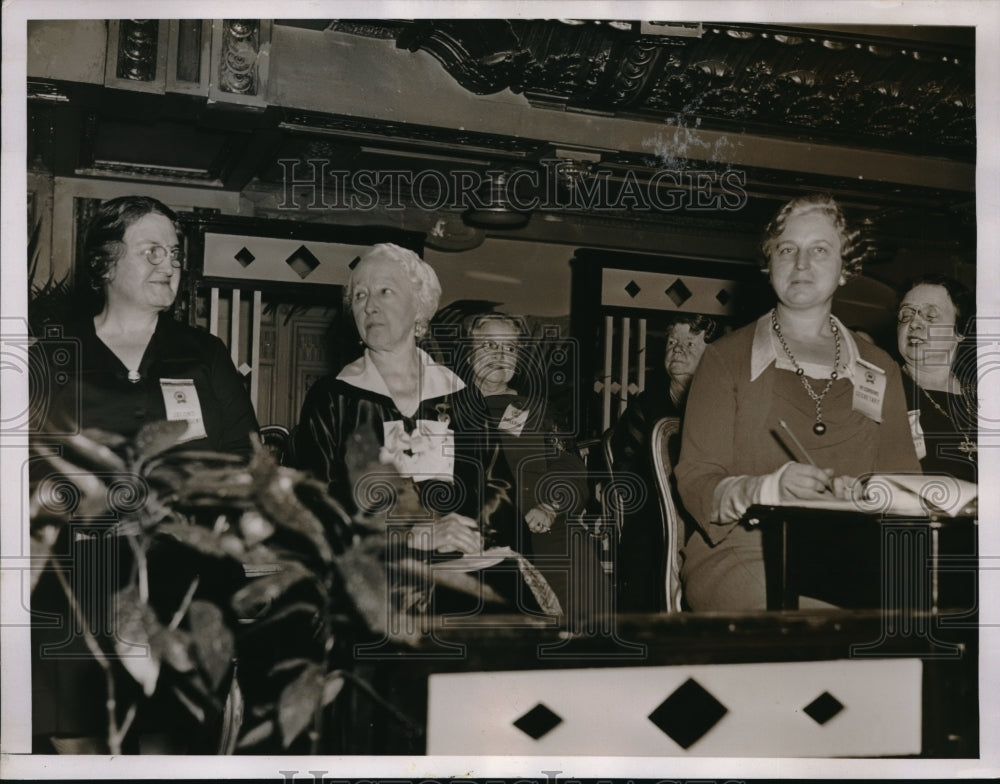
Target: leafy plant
{"points": [[315, 581]]}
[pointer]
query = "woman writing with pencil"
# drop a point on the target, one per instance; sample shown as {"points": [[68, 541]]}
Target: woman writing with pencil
{"points": [[789, 408]]}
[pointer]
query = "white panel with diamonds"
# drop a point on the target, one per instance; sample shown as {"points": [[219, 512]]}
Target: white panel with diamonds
{"points": [[245, 258], [855, 707], [666, 291]]}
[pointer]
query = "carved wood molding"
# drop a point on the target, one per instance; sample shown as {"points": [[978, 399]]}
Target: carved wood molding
{"points": [[849, 88]]}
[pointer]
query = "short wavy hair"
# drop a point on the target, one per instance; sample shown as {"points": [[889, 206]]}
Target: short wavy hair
{"points": [[425, 281], [104, 243], [517, 323], [851, 251], [698, 323]]}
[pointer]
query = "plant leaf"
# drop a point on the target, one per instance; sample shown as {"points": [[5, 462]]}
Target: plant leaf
{"points": [[195, 537], [332, 687], [136, 623], [276, 498], [284, 612], [256, 598], [366, 583], [173, 646], [258, 734], [156, 437], [298, 703], [213, 641], [255, 528]]}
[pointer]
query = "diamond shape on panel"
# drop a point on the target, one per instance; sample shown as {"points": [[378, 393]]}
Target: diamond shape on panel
{"points": [[539, 721], [244, 257], [303, 262], [687, 714], [678, 292], [632, 289], [723, 297], [823, 708]]}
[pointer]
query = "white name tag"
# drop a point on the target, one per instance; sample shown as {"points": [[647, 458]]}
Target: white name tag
{"points": [[426, 453], [181, 401], [918, 434], [513, 420], [869, 389]]}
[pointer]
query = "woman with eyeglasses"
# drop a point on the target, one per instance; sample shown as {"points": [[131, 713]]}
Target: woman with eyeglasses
{"points": [[933, 321], [137, 363], [542, 480], [132, 363]]}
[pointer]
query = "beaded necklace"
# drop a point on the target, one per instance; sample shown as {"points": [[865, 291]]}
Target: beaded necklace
{"points": [[967, 446], [819, 428]]}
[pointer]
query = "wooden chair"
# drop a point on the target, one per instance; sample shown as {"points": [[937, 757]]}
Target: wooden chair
{"points": [[610, 501], [664, 431]]}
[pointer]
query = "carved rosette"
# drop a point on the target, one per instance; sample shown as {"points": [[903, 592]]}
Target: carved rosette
{"points": [[137, 44], [238, 59]]}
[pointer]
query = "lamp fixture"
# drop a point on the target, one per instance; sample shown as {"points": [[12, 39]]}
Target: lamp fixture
{"points": [[494, 209]]}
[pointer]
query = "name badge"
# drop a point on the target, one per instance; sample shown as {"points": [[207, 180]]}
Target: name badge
{"points": [[869, 389], [918, 434], [426, 453], [513, 420], [181, 401]]}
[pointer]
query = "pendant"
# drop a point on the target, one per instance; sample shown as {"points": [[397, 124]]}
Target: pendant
{"points": [[133, 376], [819, 428], [967, 448]]}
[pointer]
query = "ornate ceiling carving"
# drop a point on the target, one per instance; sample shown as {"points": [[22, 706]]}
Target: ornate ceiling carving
{"points": [[873, 91]]}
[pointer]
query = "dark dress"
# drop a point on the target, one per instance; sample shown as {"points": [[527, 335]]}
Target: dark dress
{"points": [[941, 438], [640, 559], [102, 397], [538, 467], [79, 383], [351, 433]]}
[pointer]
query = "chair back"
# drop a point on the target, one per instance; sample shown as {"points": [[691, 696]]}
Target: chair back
{"points": [[611, 502], [664, 431]]}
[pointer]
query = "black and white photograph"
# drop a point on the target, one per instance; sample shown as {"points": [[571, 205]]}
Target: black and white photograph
{"points": [[557, 390]]}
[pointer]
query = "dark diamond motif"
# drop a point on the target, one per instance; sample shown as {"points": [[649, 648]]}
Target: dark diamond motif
{"points": [[303, 262], [632, 289], [687, 714], [723, 297], [823, 708], [538, 721], [678, 292], [245, 257]]}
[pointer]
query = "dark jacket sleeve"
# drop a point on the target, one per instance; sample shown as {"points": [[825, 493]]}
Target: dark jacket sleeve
{"points": [[238, 417], [318, 439]]}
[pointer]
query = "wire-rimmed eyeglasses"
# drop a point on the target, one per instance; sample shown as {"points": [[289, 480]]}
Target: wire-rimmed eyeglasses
{"points": [[907, 313], [493, 345], [155, 255]]}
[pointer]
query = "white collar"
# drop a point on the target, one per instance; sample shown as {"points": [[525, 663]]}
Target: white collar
{"points": [[435, 380], [762, 353]]}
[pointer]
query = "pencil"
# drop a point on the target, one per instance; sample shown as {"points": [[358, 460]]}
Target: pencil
{"points": [[798, 444]]}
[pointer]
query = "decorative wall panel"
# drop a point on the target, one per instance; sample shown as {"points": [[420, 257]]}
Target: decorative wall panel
{"points": [[248, 259], [850, 708], [667, 291]]}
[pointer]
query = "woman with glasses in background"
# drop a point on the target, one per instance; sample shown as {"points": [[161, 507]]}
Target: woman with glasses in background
{"points": [[540, 480], [933, 321]]}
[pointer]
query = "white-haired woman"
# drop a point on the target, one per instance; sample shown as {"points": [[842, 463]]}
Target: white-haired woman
{"points": [[397, 397]]}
